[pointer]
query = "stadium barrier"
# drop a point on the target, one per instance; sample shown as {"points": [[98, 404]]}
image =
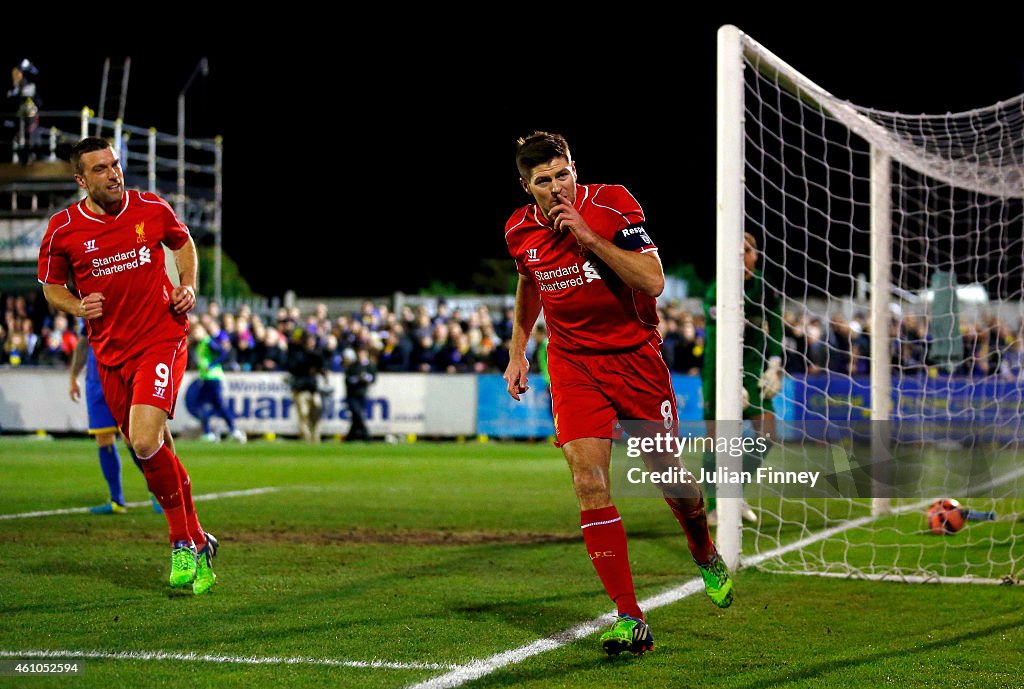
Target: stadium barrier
{"points": [[441, 405], [399, 404]]}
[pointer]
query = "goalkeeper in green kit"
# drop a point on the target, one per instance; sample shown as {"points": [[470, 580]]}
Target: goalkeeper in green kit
{"points": [[762, 365]]}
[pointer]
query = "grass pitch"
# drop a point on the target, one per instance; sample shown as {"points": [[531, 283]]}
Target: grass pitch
{"points": [[429, 556]]}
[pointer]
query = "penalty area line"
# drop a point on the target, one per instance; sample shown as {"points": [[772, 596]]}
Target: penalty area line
{"points": [[145, 503], [238, 660], [479, 668]]}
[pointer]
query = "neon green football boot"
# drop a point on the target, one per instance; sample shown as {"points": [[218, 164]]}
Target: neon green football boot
{"points": [[717, 582], [628, 634], [205, 578], [183, 564]]}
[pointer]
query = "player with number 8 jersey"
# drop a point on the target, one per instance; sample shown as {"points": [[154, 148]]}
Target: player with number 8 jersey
{"points": [[585, 257], [103, 259]]}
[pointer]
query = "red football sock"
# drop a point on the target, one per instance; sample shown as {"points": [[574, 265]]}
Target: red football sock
{"points": [[695, 525], [605, 538], [191, 518], [161, 472]]}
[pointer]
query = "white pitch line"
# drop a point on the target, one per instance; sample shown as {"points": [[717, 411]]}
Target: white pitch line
{"points": [[478, 668], [239, 660], [146, 503]]}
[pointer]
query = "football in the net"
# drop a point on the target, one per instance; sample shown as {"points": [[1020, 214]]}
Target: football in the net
{"points": [[945, 516]]}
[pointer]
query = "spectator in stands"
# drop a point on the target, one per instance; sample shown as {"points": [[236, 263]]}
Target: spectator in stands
{"points": [[58, 343], [16, 349], [423, 354], [333, 354], [222, 343], [910, 362], [1000, 340], [397, 352], [247, 358], [688, 356], [439, 354], [422, 326], [273, 351], [484, 350], [860, 348], [913, 337], [1011, 366], [371, 316], [839, 346], [817, 349], [975, 351], [794, 342], [504, 326], [32, 341], [668, 327], [460, 355], [23, 102]]}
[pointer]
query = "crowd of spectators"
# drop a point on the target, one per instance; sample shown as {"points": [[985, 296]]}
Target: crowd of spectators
{"points": [[32, 334], [445, 339]]}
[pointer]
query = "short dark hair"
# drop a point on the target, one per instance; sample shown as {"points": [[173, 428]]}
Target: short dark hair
{"points": [[537, 148], [86, 145]]}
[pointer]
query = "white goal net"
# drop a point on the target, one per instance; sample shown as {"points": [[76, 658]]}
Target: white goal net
{"points": [[896, 246]]}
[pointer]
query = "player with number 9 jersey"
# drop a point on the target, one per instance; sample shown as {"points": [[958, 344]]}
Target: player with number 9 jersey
{"points": [[122, 257], [103, 259]]}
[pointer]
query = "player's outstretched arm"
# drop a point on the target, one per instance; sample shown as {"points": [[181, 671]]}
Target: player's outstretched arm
{"points": [[187, 261], [526, 312], [641, 271]]}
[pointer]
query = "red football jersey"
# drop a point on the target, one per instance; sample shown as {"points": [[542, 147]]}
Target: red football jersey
{"points": [[121, 256], [587, 306]]}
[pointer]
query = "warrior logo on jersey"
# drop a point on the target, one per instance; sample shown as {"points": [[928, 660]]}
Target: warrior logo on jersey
{"points": [[163, 375], [140, 233], [531, 255], [90, 245]]}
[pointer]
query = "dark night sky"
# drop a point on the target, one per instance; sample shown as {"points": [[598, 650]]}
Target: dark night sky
{"points": [[344, 176]]}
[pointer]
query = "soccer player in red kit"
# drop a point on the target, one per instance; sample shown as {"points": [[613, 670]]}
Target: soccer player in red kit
{"points": [[109, 248], [584, 255]]}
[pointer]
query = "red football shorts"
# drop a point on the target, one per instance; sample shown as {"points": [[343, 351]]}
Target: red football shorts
{"points": [[591, 392], [151, 377]]}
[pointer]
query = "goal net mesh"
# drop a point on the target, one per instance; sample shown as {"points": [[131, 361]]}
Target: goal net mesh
{"points": [[956, 332]]}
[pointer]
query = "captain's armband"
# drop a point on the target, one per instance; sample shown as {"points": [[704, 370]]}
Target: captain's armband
{"points": [[634, 238]]}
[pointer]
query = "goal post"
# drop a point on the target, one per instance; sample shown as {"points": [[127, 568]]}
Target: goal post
{"points": [[729, 269], [895, 244]]}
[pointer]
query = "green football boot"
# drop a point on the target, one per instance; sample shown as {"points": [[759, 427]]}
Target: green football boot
{"points": [[205, 578], [183, 564], [717, 582], [628, 634]]}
